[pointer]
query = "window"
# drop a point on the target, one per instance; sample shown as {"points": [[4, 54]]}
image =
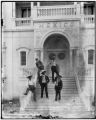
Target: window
{"points": [[35, 3], [23, 9], [23, 57], [25, 12], [90, 56]]}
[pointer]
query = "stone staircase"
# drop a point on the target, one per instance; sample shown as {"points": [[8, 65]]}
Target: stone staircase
{"points": [[70, 103], [69, 89]]}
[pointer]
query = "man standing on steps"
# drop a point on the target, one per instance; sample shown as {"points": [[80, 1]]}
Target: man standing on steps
{"points": [[58, 87], [40, 66], [43, 81], [54, 69]]}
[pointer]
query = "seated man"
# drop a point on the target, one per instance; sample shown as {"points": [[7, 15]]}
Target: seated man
{"points": [[40, 66], [31, 86]]}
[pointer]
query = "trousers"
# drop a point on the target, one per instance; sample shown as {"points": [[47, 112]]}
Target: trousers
{"points": [[44, 86], [54, 70], [57, 94], [33, 90]]}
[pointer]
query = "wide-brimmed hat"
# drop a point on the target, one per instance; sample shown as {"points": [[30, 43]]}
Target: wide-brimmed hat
{"points": [[29, 77], [43, 71]]}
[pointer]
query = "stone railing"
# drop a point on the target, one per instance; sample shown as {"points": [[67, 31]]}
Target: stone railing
{"points": [[89, 19], [57, 11], [22, 21]]}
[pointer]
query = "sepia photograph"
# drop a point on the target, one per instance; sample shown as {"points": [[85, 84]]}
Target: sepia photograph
{"points": [[48, 59]]}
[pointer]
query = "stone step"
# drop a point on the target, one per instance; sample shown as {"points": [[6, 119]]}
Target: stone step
{"points": [[43, 107]]}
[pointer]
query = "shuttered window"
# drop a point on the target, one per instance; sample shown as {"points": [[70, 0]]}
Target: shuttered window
{"points": [[23, 57], [90, 56]]}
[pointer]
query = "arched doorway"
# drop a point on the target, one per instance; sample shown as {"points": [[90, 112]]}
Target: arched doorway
{"points": [[58, 45]]}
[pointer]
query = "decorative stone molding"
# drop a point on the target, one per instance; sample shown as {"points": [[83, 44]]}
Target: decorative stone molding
{"points": [[56, 24], [44, 37]]}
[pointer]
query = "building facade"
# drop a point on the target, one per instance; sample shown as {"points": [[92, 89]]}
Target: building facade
{"points": [[41, 29]]}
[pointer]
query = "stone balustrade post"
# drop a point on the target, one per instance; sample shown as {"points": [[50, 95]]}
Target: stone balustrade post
{"points": [[13, 13], [82, 12], [33, 11], [82, 8], [71, 59], [38, 4]]}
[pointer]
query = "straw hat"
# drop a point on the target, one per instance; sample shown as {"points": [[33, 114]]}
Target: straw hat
{"points": [[43, 71], [29, 77]]}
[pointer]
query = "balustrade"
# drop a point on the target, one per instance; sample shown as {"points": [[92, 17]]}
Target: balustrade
{"points": [[56, 11], [89, 19], [50, 12], [22, 21]]}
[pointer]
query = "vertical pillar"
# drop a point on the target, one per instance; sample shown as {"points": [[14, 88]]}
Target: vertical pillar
{"points": [[42, 55], [13, 13], [82, 13], [38, 4], [75, 3], [82, 8], [71, 59], [37, 54], [33, 11], [32, 14], [9, 67], [14, 9]]}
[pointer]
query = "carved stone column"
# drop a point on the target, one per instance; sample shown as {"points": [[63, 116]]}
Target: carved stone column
{"points": [[82, 8], [42, 55], [71, 59], [14, 9], [37, 54], [38, 4]]}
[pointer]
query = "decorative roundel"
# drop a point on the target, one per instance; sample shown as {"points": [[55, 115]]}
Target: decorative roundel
{"points": [[52, 56], [61, 56]]}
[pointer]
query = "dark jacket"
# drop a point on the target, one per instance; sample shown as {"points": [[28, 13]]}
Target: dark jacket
{"points": [[46, 78], [59, 85], [40, 65]]}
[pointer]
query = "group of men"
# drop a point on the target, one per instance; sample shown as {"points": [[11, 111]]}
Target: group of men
{"points": [[43, 80]]}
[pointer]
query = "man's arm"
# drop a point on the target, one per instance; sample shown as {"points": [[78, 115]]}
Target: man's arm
{"points": [[47, 78], [61, 84], [40, 80]]}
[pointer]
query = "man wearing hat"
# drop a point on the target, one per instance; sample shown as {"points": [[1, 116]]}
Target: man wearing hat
{"points": [[58, 87], [43, 81], [31, 86], [54, 68], [40, 66]]}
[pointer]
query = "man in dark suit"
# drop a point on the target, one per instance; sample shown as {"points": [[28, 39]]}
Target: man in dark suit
{"points": [[43, 81], [39, 65], [58, 87], [54, 69]]}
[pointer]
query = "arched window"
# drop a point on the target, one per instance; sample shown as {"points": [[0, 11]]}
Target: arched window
{"points": [[90, 56], [23, 57]]}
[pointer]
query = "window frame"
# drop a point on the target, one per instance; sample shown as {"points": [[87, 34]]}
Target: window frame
{"points": [[89, 56], [23, 49], [22, 63], [28, 14]]}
